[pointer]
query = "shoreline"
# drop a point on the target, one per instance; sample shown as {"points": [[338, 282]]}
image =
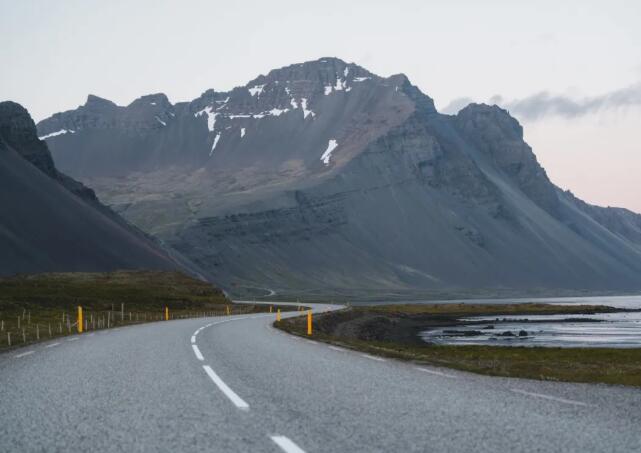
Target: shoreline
{"points": [[393, 331]]}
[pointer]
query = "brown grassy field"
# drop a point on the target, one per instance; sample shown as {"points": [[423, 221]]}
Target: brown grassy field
{"points": [[43, 306]]}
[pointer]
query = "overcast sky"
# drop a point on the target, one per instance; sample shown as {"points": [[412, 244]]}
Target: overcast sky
{"points": [[569, 71]]}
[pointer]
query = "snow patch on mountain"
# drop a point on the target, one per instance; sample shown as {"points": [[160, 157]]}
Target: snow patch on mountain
{"points": [[340, 84], [277, 112], [55, 134], [211, 117], [331, 146], [256, 90], [303, 104], [213, 147]]}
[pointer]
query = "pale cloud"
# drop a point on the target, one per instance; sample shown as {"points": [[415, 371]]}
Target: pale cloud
{"points": [[456, 105], [544, 103]]}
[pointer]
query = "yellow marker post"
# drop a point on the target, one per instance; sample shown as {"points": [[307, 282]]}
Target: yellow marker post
{"points": [[309, 322], [166, 313], [80, 322], [278, 315], [270, 308]]}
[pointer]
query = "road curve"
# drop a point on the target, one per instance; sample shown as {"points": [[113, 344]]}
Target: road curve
{"points": [[237, 384]]}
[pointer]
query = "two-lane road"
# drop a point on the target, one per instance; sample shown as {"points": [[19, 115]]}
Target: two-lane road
{"points": [[237, 384]]}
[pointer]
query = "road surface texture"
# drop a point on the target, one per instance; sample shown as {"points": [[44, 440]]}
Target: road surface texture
{"points": [[236, 384]]}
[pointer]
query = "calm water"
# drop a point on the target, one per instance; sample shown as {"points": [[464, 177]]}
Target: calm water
{"points": [[618, 330], [611, 301]]}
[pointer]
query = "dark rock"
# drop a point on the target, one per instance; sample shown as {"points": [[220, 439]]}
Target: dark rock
{"points": [[507, 333], [463, 333]]}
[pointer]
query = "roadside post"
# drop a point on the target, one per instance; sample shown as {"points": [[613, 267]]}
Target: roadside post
{"points": [[309, 322], [166, 313], [278, 315], [80, 322]]}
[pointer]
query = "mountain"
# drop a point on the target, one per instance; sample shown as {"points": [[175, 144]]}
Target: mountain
{"points": [[324, 176], [50, 222]]}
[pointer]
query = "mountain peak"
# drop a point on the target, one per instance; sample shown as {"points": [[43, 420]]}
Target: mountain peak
{"points": [[482, 116], [16, 125], [156, 99], [326, 71], [14, 117], [18, 130], [97, 101]]}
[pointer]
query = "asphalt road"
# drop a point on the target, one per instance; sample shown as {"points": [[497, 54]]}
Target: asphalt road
{"points": [[236, 384]]}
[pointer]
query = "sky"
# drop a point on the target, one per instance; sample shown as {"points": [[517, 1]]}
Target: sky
{"points": [[569, 71]]}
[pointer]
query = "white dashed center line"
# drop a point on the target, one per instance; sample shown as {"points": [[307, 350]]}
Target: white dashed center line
{"points": [[193, 339], [24, 354], [436, 373], [549, 397], [229, 393], [52, 345], [199, 356], [286, 444], [372, 357], [72, 339]]}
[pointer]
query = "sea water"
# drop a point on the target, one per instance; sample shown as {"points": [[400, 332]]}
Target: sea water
{"points": [[614, 330]]}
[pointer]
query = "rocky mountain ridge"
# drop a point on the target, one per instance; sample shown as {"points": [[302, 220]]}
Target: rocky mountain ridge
{"points": [[324, 175]]}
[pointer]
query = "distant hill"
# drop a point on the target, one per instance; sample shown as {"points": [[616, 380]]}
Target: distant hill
{"points": [[52, 223], [324, 176]]}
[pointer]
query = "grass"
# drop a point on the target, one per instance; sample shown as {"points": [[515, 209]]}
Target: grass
{"points": [[43, 306], [143, 290], [590, 365]]}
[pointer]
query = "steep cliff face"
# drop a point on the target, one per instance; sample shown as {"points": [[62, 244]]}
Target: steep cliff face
{"points": [[325, 176], [500, 137], [17, 130], [50, 222]]}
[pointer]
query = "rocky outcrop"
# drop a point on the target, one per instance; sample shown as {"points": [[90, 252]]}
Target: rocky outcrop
{"points": [[499, 137], [52, 223], [18, 131]]}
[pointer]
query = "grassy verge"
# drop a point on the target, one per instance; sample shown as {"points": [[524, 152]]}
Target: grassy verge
{"points": [[44, 306], [591, 365]]}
